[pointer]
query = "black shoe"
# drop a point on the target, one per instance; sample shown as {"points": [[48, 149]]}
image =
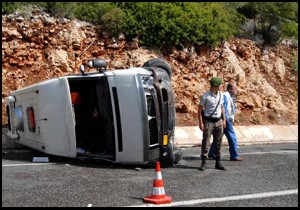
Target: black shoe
{"points": [[218, 163], [220, 166], [202, 167]]}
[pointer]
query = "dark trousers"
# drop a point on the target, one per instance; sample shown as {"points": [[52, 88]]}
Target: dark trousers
{"points": [[216, 130]]}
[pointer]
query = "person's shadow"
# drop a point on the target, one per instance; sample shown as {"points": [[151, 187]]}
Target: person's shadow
{"points": [[187, 158]]}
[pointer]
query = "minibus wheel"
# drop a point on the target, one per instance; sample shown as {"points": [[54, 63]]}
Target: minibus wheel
{"points": [[157, 62]]}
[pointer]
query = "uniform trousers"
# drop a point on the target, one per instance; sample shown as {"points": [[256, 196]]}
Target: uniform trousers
{"points": [[216, 130]]}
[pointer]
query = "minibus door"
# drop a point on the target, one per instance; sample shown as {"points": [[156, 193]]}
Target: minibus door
{"points": [[58, 128]]}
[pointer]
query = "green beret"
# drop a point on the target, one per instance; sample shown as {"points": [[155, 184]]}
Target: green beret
{"points": [[215, 81]]}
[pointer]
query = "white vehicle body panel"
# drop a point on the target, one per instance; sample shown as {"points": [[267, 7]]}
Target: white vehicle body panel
{"points": [[132, 116], [53, 116]]}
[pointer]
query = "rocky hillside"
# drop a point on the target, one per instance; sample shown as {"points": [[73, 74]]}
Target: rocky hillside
{"points": [[36, 47]]}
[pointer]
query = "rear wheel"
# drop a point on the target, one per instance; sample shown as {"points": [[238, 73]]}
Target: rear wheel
{"points": [[174, 155], [157, 62]]}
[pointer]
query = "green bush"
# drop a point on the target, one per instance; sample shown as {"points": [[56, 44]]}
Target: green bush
{"points": [[10, 7], [295, 62], [93, 11], [272, 20], [165, 24], [289, 29], [112, 22], [59, 9]]}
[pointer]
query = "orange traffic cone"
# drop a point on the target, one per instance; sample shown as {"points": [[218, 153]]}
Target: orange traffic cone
{"points": [[158, 193]]}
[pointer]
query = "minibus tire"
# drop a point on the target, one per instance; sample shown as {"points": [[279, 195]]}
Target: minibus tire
{"points": [[169, 159], [156, 62]]}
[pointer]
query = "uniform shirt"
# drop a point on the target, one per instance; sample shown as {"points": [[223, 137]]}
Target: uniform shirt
{"points": [[229, 106], [210, 101]]}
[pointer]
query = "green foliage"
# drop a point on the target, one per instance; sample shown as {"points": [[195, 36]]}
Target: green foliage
{"points": [[60, 9], [236, 17], [273, 20], [9, 7], [112, 22], [93, 11], [289, 29], [167, 24], [216, 23], [295, 62]]}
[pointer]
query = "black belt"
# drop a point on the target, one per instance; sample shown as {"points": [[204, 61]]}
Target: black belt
{"points": [[212, 119]]}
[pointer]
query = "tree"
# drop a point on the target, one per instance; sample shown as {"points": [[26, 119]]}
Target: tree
{"points": [[9, 7], [167, 24], [93, 11], [112, 21], [59, 9], [273, 20]]}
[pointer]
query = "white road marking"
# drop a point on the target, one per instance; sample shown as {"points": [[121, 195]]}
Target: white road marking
{"points": [[90, 205], [258, 153], [276, 152], [229, 198], [27, 164]]}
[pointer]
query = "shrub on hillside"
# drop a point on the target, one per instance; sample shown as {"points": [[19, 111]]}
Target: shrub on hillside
{"points": [[165, 24], [93, 11], [9, 7], [272, 20]]}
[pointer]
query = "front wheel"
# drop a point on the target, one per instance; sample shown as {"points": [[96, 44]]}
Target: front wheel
{"points": [[160, 63]]}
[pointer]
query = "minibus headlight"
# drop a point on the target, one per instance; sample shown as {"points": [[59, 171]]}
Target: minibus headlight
{"points": [[147, 80]]}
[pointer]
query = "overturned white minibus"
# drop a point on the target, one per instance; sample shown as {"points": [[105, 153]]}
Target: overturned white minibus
{"points": [[123, 116]]}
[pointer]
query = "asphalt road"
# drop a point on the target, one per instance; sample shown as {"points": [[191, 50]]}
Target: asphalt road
{"points": [[268, 177]]}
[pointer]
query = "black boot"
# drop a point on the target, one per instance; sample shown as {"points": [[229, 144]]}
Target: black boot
{"points": [[218, 164], [203, 164]]}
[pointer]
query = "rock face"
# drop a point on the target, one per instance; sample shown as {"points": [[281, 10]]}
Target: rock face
{"points": [[38, 47]]}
